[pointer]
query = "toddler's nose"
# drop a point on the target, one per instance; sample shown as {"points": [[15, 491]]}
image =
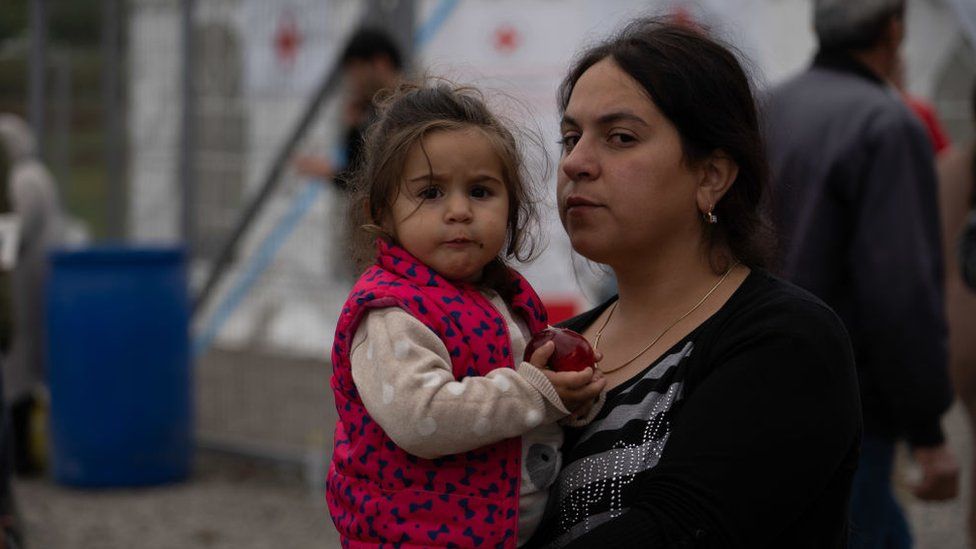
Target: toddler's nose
{"points": [[458, 209]]}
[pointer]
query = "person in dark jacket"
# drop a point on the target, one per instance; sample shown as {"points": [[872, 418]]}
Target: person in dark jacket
{"points": [[856, 206]]}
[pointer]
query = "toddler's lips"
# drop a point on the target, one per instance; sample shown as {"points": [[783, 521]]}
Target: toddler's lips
{"points": [[460, 242]]}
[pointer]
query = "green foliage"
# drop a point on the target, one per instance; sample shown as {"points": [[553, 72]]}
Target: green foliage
{"points": [[70, 22], [13, 19], [76, 22], [74, 31]]}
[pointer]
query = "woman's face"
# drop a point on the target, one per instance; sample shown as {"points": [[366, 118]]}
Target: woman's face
{"points": [[624, 190]]}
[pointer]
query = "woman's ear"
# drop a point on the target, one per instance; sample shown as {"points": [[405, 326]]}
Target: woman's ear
{"points": [[719, 171]]}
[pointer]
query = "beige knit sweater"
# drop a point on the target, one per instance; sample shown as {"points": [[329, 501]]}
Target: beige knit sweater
{"points": [[403, 373]]}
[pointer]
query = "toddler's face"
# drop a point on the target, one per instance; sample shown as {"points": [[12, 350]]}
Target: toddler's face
{"points": [[452, 209]]}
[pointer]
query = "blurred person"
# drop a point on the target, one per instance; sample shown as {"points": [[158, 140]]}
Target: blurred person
{"points": [[370, 61], [922, 108], [957, 197], [731, 415], [10, 529], [438, 413], [34, 200], [856, 205]]}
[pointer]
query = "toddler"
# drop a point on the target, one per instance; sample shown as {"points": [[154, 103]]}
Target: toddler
{"points": [[445, 436]]}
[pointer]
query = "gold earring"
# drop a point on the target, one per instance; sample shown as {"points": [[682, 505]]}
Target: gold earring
{"points": [[710, 217]]}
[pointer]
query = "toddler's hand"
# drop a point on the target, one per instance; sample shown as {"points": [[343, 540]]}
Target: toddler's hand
{"points": [[584, 410], [577, 390], [540, 358]]}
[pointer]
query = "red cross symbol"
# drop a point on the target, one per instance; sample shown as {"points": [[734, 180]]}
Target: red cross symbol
{"points": [[507, 39], [287, 39]]}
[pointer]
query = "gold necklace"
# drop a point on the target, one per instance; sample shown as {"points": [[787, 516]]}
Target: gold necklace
{"points": [[599, 334]]}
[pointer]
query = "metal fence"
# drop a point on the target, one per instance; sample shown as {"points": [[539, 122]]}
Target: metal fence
{"points": [[214, 96], [221, 94]]}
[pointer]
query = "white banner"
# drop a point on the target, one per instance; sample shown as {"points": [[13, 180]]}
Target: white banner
{"points": [[966, 11], [287, 45]]}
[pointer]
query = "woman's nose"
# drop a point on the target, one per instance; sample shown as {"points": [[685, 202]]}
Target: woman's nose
{"points": [[579, 163]]}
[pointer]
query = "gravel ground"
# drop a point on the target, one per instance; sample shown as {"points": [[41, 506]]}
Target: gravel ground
{"points": [[231, 502], [228, 503], [281, 407]]}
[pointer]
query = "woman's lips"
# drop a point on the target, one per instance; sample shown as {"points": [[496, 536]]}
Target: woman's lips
{"points": [[579, 204]]}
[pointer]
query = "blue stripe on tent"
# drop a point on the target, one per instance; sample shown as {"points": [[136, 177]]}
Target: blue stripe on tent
{"points": [[300, 204], [259, 263], [435, 22]]}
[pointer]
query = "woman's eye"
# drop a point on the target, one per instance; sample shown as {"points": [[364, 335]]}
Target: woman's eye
{"points": [[429, 193], [568, 141], [622, 138]]}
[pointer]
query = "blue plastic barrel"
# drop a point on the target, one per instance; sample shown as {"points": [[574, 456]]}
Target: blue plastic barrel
{"points": [[119, 366]]}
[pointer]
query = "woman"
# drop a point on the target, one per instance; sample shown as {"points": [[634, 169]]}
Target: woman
{"points": [[732, 417]]}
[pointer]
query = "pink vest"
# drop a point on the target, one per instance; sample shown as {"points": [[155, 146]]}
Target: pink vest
{"points": [[379, 494]]}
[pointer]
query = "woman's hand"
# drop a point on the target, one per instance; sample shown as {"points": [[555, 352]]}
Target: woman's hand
{"points": [[577, 390]]}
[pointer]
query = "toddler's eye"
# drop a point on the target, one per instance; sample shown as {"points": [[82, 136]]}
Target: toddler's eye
{"points": [[480, 192]]}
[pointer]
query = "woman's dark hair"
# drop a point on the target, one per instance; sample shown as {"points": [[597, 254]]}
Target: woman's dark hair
{"points": [[404, 117], [699, 85]]}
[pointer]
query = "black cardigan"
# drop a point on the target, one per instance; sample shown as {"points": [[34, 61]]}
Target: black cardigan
{"points": [[761, 444]]}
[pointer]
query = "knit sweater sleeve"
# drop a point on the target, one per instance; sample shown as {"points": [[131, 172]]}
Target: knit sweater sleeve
{"points": [[403, 373]]}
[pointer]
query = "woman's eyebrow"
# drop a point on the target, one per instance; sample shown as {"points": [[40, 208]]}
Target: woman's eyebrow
{"points": [[619, 116], [606, 119]]}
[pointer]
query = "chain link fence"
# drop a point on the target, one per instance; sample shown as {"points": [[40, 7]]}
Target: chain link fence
{"points": [[255, 68], [263, 338]]}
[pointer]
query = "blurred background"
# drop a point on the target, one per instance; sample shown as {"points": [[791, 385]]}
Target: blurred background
{"points": [[170, 130]]}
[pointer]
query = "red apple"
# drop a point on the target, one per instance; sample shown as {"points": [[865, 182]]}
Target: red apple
{"points": [[572, 353]]}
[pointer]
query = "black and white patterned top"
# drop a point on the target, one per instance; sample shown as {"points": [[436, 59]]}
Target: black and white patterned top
{"points": [[743, 434]]}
